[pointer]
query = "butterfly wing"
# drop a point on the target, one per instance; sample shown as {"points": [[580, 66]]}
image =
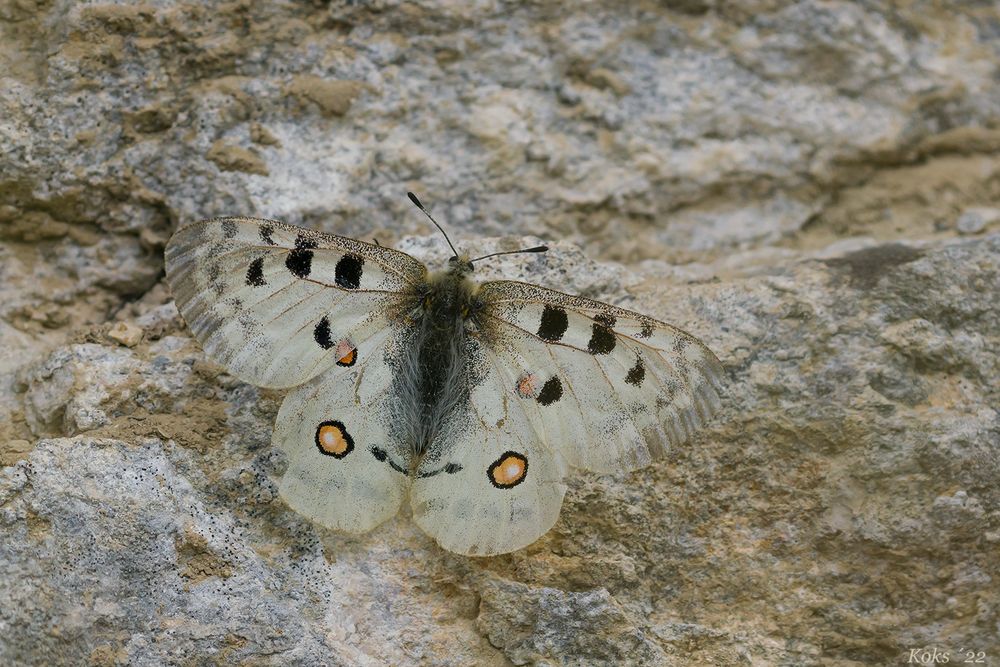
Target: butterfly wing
{"points": [[277, 305], [489, 485], [346, 469], [608, 388], [280, 307], [555, 380]]}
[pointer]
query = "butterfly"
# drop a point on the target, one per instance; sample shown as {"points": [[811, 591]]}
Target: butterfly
{"points": [[470, 399]]}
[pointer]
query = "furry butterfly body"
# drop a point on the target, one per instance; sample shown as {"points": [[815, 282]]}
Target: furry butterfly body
{"points": [[472, 399]]}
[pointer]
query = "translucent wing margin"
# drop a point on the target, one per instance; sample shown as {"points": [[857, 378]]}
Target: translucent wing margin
{"points": [[609, 388], [278, 304]]}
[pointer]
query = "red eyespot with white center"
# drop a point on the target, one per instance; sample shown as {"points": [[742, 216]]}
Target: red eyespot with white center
{"points": [[527, 385], [346, 353]]}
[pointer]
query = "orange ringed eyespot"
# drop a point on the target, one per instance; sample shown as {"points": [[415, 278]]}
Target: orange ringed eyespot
{"points": [[508, 471], [332, 439]]}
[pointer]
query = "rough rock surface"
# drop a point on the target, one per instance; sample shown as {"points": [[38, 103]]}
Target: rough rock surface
{"points": [[811, 188]]}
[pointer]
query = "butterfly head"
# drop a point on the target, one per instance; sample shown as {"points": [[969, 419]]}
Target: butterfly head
{"points": [[460, 265]]}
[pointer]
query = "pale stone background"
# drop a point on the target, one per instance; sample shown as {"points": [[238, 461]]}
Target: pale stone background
{"points": [[813, 188]]}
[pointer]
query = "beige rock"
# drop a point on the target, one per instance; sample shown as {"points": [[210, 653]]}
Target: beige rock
{"points": [[333, 97], [125, 333], [236, 158], [13, 451], [261, 135]]}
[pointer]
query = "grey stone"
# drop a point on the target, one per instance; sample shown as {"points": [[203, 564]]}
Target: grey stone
{"points": [[809, 187], [534, 626], [975, 220]]}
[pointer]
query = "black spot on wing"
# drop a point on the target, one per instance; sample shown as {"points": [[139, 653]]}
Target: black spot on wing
{"points": [[551, 391], [265, 234], [646, 331], [382, 455], [602, 339], [348, 272], [450, 468], [255, 273], [553, 324], [322, 334], [228, 229], [299, 260], [637, 373], [607, 319]]}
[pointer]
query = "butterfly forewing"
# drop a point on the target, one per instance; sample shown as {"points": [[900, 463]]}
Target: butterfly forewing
{"points": [[609, 388], [277, 304]]}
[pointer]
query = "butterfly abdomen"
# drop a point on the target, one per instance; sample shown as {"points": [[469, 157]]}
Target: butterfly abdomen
{"points": [[431, 380]]}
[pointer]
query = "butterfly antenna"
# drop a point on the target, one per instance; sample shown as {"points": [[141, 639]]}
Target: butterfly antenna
{"points": [[416, 202], [537, 248]]}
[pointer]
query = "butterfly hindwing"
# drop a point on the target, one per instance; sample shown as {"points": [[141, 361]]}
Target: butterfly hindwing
{"points": [[609, 388], [490, 485], [278, 304], [346, 470]]}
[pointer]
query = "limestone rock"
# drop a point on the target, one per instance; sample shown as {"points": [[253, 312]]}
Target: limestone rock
{"points": [[975, 220], [236, 158], [809, 187], [125, 333], [333, 97]]}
